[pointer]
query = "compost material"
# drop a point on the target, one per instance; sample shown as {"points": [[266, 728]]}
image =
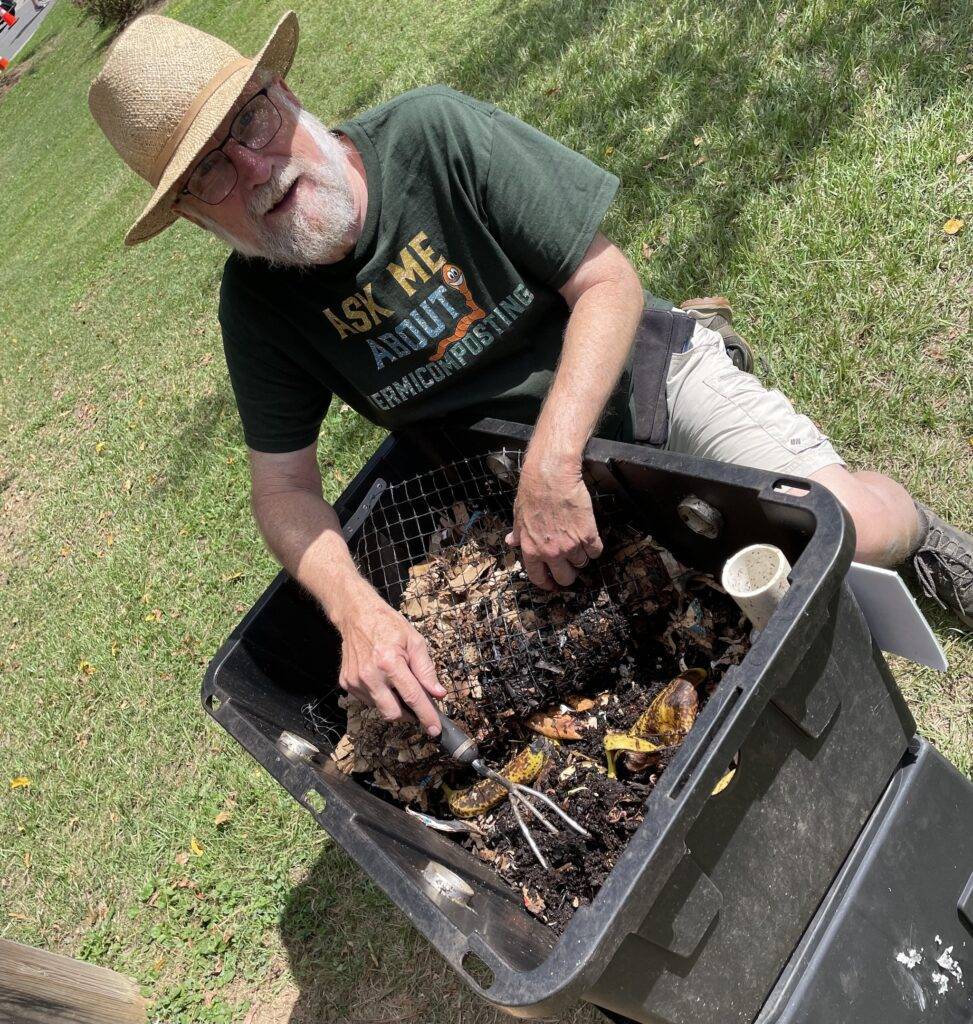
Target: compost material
{"points": [[585, 694]]}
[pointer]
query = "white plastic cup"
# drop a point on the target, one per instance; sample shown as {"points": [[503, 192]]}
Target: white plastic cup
{"points": [[756, 578]]}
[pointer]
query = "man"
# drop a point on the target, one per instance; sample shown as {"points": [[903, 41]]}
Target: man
{"points": [[437, 260]]}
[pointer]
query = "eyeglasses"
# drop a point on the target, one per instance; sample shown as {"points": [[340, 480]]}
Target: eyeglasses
{"points": [[215, 176]]}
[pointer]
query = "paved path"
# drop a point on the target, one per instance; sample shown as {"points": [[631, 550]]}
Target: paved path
{"points": [[28, 21]]}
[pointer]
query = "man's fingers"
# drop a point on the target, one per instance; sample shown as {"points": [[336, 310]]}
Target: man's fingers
{"points": [[585, 552], [578, 557], [594, 547], [537, 571], [512, 539], [423, 667], [563, 571], [386, 702], [411, 693]]}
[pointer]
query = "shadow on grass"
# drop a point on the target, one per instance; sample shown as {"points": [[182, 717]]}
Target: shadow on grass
{"points": [[114, 17], [544, 29], [762, 118], [213, 417], [357, 960], [28, 62]]}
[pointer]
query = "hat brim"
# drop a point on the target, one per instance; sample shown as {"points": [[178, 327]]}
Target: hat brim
{"points": [[277, 55]]}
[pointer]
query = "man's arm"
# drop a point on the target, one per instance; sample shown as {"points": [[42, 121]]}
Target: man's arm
{"points": [[384, 660], [554, 525]]}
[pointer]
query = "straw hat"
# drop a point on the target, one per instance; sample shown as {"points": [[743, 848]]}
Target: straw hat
{"points": [[164, 91]]}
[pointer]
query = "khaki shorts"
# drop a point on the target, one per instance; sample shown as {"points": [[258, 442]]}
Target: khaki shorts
{"points": [[719, 412]]}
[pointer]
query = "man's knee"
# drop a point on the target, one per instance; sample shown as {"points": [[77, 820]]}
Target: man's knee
{"points": [[882, 511]]}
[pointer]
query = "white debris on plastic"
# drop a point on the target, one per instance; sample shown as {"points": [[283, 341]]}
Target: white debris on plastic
{"points": [[949, 971], [947, 963], [912, 959]]}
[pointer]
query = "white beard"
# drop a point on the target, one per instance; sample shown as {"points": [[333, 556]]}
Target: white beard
{"points": [[316, 228]]}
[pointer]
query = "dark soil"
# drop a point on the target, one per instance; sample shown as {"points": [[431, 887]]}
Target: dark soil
{"points": [[701, 628], [610, 809]]}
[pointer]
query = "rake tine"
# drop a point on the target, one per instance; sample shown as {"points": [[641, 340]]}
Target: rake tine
{"points": [[563, 815], [527, 835], [524, 802], [513, 791]]}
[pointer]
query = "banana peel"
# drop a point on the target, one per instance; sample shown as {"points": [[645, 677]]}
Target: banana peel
{"points": [[616, 742], [727, 776], [672, 713], [724, 782], [664, 725], [523, 768], [555, 726]]}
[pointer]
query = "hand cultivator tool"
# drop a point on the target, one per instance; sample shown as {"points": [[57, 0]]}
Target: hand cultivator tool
{"points": [[461, 747]]}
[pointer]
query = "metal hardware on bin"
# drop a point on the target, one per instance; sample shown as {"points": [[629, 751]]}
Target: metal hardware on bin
{"points": [[446, 882], [700, 516], [296, 747]]}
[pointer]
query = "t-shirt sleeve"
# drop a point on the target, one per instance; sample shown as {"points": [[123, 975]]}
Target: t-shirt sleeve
{"points": [[544, 202], [281, 406]]}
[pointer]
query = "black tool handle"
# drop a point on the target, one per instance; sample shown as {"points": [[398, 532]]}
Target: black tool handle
{"points": [[456, 741]]}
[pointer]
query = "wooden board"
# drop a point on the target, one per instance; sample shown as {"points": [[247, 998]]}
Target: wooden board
{"points": [[37, 987]]}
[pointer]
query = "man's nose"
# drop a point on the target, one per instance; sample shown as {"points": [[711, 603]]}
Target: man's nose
{"points": [[252, 166]]}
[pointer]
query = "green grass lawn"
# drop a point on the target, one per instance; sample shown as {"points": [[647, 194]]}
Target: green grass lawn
{"points": [[801, 159]]}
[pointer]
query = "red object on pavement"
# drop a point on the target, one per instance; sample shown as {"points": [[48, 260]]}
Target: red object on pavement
{"points": [[4, 63], [9, 18]]}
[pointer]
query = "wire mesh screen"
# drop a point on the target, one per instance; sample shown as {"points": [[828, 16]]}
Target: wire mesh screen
{"points": [[434, 546]]}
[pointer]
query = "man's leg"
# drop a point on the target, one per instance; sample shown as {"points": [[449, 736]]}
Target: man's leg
{"points": [[716, 411], [716, 313], [887, 523]]}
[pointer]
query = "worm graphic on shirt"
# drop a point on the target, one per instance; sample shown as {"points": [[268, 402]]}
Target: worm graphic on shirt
{"points": [[455, 279]]}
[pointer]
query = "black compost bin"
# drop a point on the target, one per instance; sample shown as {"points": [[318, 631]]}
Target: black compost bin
{"points": [[892, 942], [707, 903]]}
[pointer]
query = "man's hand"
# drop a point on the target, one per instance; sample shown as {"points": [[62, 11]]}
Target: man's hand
{"points": [[385, 662], [554, 525], [553, 521]]}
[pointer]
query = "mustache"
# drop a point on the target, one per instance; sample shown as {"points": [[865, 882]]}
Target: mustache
{"points": [[270, 193]]}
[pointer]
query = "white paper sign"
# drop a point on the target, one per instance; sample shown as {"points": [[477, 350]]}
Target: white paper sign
{"points": [[893, 615]]}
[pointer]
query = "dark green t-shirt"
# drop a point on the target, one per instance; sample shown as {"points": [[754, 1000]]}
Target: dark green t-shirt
{"points": [[448, 306]]}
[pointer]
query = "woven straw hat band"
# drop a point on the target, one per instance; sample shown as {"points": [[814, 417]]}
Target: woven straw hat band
{"points": [[165, 155]]}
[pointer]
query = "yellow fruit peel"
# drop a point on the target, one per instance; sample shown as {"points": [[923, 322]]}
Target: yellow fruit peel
{"points": [[523, 768]]}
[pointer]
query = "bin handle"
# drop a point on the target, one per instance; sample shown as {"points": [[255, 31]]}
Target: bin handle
{"points": [[707, 742]]}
